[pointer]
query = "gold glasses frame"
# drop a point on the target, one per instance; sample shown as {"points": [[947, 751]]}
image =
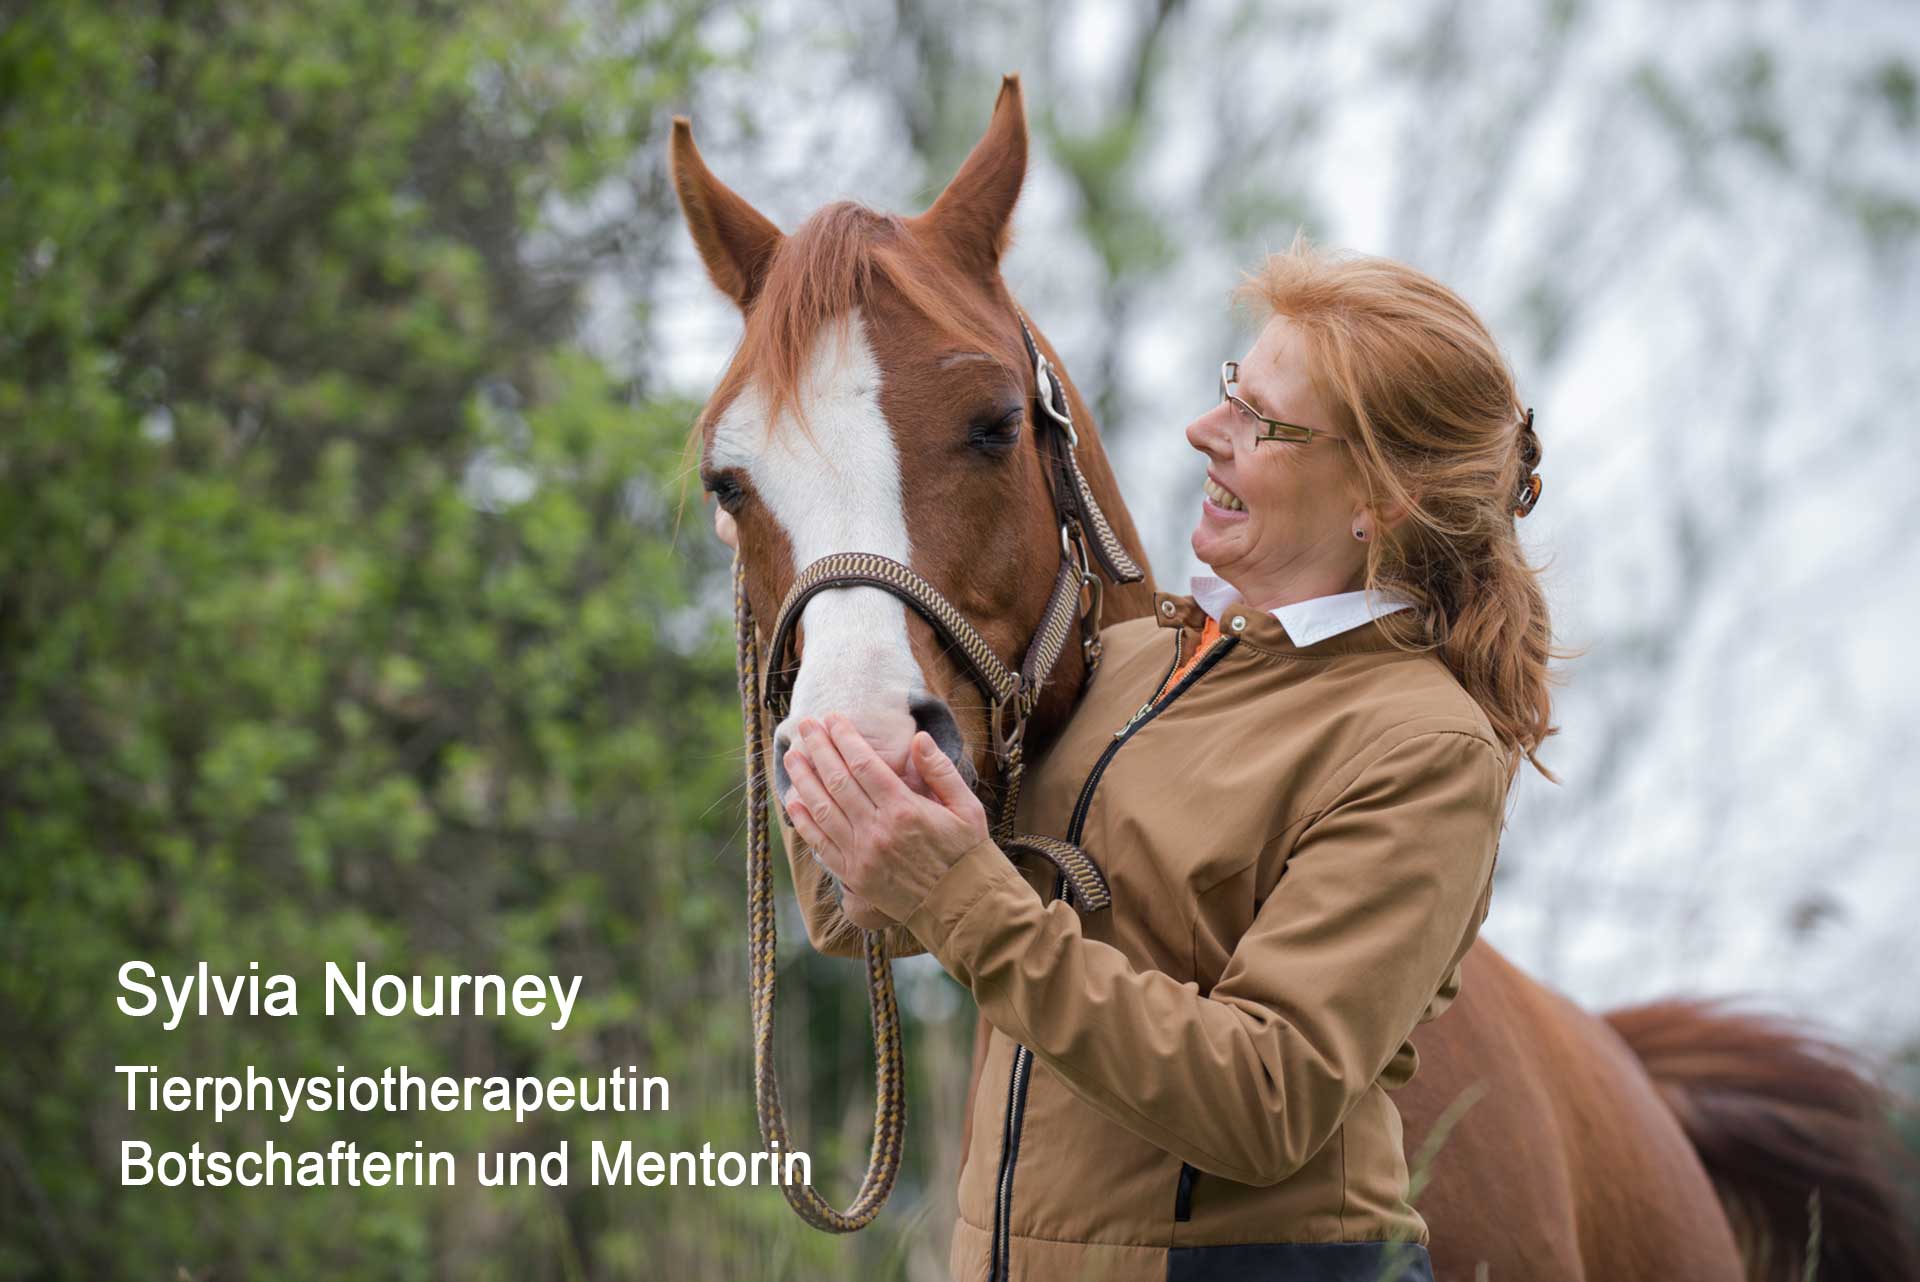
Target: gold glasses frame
{"points": [[1276, 430]]}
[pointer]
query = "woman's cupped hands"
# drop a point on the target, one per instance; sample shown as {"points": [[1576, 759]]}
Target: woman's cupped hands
{"points": [[887, 843]]}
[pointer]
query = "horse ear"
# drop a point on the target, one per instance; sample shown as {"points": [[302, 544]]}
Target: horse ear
{"points": [[736, 241], [975, 213]]}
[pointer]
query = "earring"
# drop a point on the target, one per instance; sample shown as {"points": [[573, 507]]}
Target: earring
{"points": [[1360, 534]]}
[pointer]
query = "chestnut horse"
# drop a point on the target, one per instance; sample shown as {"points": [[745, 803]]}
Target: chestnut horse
{"points": [[877, 404]]}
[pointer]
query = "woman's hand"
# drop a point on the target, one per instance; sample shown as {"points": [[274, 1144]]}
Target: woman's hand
{"points": [[887, 844]]}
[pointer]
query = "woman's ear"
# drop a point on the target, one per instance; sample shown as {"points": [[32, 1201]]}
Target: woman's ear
{"points": [[1382, 517]]}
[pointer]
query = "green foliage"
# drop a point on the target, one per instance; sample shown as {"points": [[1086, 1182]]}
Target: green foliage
{"points": [[345, 615], [1128, 236], [1894, 82]]}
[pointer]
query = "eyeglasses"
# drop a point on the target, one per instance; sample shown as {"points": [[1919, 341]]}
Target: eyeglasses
{"points": [[1275, 429]]}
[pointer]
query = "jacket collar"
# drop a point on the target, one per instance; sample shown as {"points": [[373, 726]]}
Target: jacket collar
{"points": [[1323, 627], [1307, 622]]}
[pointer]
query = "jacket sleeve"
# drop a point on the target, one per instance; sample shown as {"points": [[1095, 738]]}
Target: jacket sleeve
{"points": [[1381, 897], [828, 928]]}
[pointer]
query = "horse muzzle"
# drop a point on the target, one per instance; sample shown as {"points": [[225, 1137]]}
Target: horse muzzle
{"points": [[889, 729]]}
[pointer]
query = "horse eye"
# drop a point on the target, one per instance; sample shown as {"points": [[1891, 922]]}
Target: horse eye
{"points": [[724, 488], [996, 432]]}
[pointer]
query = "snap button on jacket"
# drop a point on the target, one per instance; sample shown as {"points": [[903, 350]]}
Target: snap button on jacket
{"points": [[1195, 1083]]}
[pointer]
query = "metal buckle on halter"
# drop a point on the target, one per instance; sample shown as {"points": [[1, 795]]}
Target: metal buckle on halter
{"points": [[1073, 546], [1090, 624], [1048, 387]]}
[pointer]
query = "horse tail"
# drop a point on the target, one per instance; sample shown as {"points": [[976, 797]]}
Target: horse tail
{"points": [[1794, 1132]]}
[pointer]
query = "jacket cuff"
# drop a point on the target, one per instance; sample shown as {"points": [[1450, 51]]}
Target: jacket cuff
{"points": [[983, 875]]}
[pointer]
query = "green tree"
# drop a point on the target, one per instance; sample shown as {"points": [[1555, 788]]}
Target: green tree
{"points": [[345, 613]]}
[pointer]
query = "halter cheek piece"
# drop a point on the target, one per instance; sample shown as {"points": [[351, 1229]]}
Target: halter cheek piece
{"points": [[1086, 539]]}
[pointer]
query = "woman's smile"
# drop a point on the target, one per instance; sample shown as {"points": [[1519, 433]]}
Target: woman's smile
{"points": [[1221, 502]]}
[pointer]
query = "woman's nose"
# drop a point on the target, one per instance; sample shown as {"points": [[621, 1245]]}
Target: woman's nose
{"points": [[1209, 434]]}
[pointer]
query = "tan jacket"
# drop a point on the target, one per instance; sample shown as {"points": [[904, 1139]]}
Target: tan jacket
{"points": [[1301, 844]]}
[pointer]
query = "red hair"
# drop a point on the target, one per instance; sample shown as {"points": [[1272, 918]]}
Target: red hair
{"points": [[1414, 378]]}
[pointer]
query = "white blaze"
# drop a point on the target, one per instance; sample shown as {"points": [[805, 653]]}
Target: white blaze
{"points": [[835, 487]]}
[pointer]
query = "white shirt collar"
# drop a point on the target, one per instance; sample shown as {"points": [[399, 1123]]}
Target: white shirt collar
{"points": [[1306, 622]]}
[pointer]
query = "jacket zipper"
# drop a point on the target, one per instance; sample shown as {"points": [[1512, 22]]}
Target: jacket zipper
{"points": [[1000, 1266], [1183, 1196]]}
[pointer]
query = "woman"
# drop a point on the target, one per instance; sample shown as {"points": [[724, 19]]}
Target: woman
{"points": [[1294, 778]]}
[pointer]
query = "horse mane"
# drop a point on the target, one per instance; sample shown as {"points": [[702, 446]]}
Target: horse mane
{"points": [[831, 266]]}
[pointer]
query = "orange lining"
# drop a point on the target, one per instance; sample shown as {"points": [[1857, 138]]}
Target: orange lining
{"points": [[1208, 636]]}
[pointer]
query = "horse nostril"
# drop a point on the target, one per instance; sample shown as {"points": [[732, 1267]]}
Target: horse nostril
{"points": [[781, 742], [936, 718]]}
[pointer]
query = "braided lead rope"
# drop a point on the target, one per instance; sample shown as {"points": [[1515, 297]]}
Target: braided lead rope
{"points": [[1011, 774], [1086, 886], [1085, 882], [889, 1086]]}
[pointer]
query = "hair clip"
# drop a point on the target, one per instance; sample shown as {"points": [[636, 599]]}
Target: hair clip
{"points": [[1532, 496]]}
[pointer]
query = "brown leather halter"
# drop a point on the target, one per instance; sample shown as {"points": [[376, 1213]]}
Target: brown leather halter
{"points": [[1085, 539]]}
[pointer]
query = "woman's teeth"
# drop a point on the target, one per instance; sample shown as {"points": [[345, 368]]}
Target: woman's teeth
{"points": [[1225, 497]]}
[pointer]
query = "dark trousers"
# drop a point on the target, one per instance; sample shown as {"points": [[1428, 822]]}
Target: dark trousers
{"points": [[1301, 1262]]}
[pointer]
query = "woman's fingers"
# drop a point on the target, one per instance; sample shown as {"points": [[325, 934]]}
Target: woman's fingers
{"points": [[884, 842], [827, 818], [875, 777], [937, 769], [802, 820], [832, 769]]}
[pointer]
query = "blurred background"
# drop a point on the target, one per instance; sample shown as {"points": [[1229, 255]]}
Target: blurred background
{"points": [[354, 605]]}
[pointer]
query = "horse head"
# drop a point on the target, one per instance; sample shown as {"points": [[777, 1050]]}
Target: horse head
{"points": [[882, 400]]}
